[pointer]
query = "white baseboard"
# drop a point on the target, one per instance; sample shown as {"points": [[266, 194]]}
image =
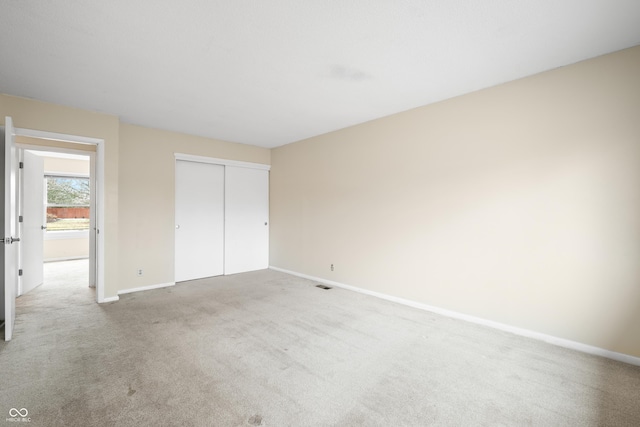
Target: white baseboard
{"points": [[146, 288], [140, 289], [574, 345]]}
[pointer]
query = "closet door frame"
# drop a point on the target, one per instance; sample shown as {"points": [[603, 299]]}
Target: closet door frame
{"points": [[221, 162]]}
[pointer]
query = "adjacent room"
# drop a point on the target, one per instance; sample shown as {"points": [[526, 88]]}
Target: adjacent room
{"points": [[56, 208], [320, 214]]}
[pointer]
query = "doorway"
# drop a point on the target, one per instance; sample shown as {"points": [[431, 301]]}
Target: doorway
{"points": [[12, 218], [64, 146], [55, 197]]}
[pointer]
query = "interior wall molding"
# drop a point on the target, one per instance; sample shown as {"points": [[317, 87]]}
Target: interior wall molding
{"points": [[224, 162], [54, 136], [146, 288]]}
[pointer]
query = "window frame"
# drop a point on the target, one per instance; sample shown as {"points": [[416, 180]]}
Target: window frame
{"points": [[66, 234]]}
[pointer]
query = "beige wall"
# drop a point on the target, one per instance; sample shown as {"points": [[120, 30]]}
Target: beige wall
{"points": [[42, 116], [76, 166], [139, 224], [54, 144], [147, 197], [518, 204], [61, 249]]}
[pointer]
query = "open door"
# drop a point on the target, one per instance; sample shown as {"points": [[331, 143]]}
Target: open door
{"points": [[9, 235], [33, 222]]}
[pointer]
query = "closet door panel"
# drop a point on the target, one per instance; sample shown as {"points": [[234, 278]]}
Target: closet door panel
{"points": [[199, 234], [246, 219]]}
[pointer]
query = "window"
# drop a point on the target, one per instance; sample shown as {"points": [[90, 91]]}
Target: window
{"points": [[68, 200]]}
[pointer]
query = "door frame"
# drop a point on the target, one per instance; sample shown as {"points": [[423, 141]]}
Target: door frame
{"points": [[96, 248], [223, 162], [215, 161]]}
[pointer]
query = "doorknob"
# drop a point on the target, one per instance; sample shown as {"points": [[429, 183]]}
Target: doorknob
{"points": [[43, 227], [177, 226], [9, 240]]}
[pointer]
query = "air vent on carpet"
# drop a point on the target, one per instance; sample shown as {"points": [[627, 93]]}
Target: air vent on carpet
{"points": [[323, 287]]}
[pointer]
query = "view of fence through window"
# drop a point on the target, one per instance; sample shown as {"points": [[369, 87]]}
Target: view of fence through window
{"points": [[67, 203]]}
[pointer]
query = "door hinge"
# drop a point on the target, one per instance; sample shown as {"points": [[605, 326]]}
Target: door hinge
{"points": [[20, 218], [20, 272], [21, 166]]}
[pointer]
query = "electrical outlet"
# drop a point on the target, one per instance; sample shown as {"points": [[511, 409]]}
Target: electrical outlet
{"points": [[331, 267], [139, 272]]}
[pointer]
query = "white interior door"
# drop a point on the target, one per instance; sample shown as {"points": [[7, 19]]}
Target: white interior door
{"points": [[199, 234], [246, 219], [33, 223], [10, 231]]}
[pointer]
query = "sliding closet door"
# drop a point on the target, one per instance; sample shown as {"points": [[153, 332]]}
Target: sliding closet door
{"points": [[199, 220], [247, 219]]}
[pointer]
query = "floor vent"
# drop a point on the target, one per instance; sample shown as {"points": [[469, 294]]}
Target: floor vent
{"points": [[323, 287]]}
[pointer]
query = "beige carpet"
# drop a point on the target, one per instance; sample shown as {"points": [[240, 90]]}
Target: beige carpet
{"points": [[265, 348]]}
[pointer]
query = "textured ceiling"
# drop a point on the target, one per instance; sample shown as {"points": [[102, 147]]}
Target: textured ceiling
{"points": [[273, 72]]}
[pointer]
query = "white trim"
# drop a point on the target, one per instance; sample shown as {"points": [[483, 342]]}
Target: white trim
{"points": [[53, 136], [561, 342], [146, 288], [67, 174], [100, 190], [110, 299], [225, 162]]}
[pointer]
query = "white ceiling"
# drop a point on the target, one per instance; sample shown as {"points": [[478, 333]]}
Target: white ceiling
{"points": [[273, 72]]}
